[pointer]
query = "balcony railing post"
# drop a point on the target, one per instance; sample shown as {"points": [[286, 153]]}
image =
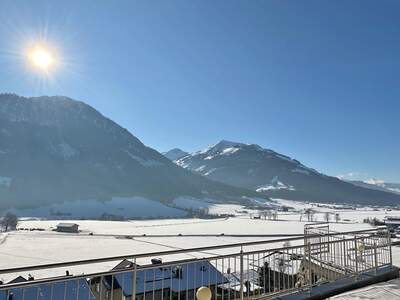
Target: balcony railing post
{"points": [[77, 289], [134, 280], [390, 248], [356, 256], [241, 274], [309, 266], [375, 258], [101, 288], [344, 255]]}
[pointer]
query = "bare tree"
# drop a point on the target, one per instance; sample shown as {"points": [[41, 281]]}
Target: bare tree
{"points": [[9, 222], [275, 215], [264, 214], [337, 217], [327, 216], [312, 216], [309, 214]]}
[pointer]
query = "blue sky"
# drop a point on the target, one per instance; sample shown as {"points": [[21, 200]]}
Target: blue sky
{"points": [[316, 80]]}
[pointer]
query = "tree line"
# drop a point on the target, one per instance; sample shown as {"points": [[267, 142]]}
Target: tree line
{"points": [[8, 222]]}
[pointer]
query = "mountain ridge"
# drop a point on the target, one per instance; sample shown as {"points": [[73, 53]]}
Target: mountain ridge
{"points": [[380, 185], [277, 176], [54, 149]]}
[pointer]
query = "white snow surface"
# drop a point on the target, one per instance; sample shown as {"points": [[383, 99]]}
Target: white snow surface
{"points": [[389, 290], [374, 181], [221, 148], [230, 150], [275, 184], [396, 190], [212, 170], [201, 168], [182, 164], [144, 162], [22, 248]]}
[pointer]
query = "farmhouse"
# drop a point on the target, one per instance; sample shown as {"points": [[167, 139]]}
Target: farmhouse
{"points": [[159, 283], [67, 227], [392, 221]]}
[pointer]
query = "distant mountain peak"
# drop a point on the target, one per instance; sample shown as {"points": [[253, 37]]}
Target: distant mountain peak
{"points": [[227, 144], [276, 175], [175, 154], [220, 147]]}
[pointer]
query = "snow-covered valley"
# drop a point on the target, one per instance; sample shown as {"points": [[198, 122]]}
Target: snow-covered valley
{"points": [[36, 243]]}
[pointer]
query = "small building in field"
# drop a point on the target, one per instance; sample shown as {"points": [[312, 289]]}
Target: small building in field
{"points": [[68, 227], [392, 221]]}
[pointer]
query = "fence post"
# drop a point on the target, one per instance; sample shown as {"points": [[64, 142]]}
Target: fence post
{"points": [[101, 290], [375, 258], [344, 255], [134, 280], [241, 274], [309, 266], [356, 256], [390, 247]]}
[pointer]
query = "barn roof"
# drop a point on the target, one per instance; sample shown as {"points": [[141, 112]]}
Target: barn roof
{"points": [[74, 289], [190, 276], [67, 225]]}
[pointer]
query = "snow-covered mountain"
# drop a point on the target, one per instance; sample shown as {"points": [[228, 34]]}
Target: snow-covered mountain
{"points": [[175, 154], [55, 149], [277, 175], [377, 184]]}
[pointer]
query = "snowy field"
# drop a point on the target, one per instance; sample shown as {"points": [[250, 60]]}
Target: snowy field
{"points": [[114, 238]]}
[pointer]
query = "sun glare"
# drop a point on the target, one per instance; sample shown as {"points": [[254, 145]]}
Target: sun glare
{"points": [[41, 58]]}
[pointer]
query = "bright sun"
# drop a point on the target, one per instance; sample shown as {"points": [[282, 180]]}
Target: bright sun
{"points": [[41, 58]]}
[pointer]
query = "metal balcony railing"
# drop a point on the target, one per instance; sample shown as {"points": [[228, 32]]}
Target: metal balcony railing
{"points": [[236, 271]]}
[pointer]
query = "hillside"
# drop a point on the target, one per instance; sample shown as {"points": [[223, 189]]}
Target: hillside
{"points": [[55, 149]]}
